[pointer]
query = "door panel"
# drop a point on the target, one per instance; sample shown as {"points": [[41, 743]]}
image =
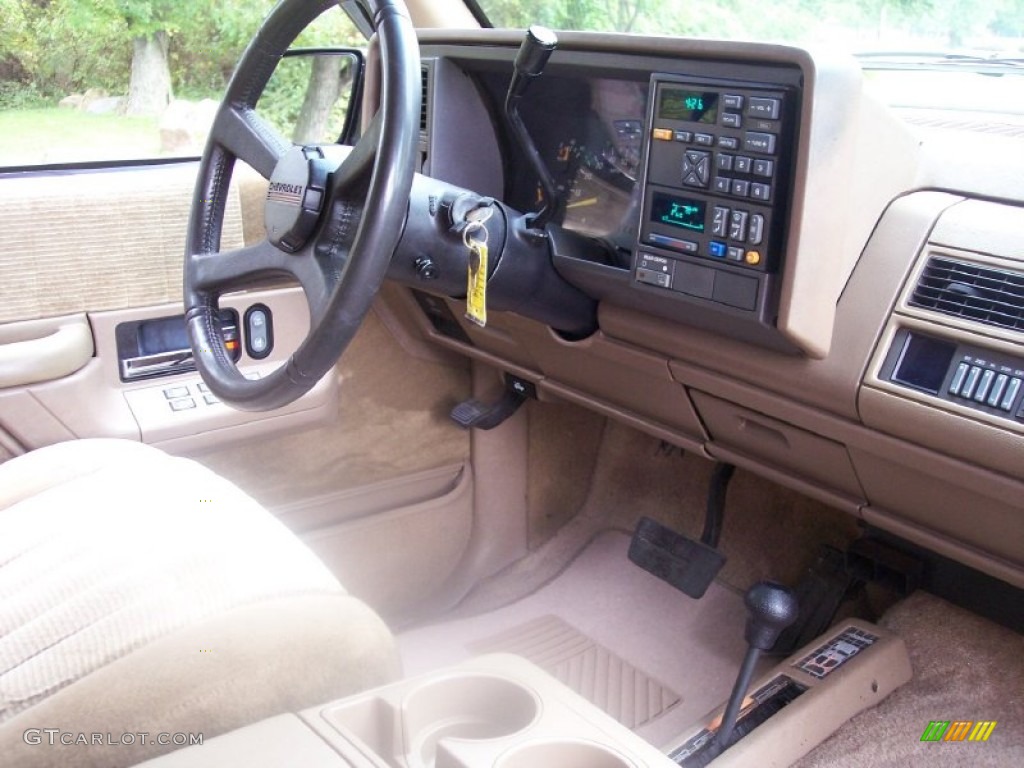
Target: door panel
{"points": [[391, 421], [43, 350], [100, 249], [97, 240]]}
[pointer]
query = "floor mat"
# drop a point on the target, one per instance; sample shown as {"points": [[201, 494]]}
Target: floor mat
{"points": [[692, 648], [603, 678]]}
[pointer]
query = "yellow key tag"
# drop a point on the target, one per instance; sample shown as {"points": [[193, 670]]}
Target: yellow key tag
{"points": [[476, 290]]}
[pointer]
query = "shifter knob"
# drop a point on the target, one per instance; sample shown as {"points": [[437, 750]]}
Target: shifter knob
{"points": [[771, 608]]}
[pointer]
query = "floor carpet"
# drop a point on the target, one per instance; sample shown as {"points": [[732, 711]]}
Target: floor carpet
{"points": [[635, 624], [965, 668]]}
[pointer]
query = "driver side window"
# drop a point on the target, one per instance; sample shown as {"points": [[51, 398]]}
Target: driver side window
{"points": [[125, 80]]}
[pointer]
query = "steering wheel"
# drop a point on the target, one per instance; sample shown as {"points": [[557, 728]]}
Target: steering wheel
{"points": [[334, 214]]}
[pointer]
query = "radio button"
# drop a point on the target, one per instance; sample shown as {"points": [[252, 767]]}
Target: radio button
{"points": [[732, 120], [958, 378], [756, 234], [762, 143], [998, 387], [740, 188], [720, 221], [172, 393], [722, 185], [738, 226], [735, 253], [704, 139], [732, 101], [717, 249], [984, 385], [662, 134], [753, 258], [764, 108], [684, 136], [696, 168], [743, 164], [182, 404], [728, 142], [972, 381], [723, 162], [762, 192], [1011, 394], [764, 168]]}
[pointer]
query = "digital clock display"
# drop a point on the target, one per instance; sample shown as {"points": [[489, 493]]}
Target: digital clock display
{"points": [[691, 106], [678, 212]]}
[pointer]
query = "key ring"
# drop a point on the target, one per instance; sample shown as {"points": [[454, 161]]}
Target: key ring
{"points": [[472, 227]]}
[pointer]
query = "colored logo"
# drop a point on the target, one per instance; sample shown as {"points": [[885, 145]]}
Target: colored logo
{"points": [[958, 730]]}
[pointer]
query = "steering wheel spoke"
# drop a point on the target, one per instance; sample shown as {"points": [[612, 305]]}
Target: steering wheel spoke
{"points": [[250, 138], [358, 164], [217, 273]]}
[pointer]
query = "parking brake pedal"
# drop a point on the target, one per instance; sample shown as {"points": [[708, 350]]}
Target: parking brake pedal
{"points": [[689, 566], [473, 414]]}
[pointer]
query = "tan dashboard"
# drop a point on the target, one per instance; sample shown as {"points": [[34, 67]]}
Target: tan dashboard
{"points": [[840, 417]]}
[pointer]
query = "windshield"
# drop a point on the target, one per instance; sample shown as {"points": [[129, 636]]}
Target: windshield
{"points": [[960, 55], [859, 25]]}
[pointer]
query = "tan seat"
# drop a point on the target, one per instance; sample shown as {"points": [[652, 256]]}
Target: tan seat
{"points": [[143, 594]]}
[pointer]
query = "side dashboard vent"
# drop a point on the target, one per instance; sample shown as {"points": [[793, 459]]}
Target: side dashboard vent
{"points": [[424, 98], [972, 291]]}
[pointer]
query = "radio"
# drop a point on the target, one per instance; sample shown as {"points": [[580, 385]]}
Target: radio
{"points": [[716, 188], [956, 372]]}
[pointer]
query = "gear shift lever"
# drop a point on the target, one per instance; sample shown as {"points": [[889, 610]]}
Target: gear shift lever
{"points": [[771, 608]]}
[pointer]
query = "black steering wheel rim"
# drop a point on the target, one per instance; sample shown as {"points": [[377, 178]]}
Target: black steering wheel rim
{"points": [[343, 264]]}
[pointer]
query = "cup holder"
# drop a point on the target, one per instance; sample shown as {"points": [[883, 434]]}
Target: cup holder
{"points": [[473, 707], [564, 754]]}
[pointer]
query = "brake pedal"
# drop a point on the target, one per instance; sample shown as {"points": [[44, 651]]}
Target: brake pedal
{"points": [[689, 566]]}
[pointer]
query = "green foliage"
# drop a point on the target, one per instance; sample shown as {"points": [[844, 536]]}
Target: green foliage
{"points": [[1009, 21], [15, 95], [859, 23], [282, 100], [50, 48]]}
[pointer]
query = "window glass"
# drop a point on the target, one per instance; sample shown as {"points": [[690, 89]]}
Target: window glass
{"points": [[959, 55], [307, 98], [109, 80], [857, 24]]}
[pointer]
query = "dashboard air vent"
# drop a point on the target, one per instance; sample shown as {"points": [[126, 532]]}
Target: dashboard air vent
{"points": [[424, 95], [972, 291]]}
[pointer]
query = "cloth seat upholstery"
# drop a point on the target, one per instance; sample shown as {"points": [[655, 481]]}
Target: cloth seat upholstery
{"points": [[141, 593]]}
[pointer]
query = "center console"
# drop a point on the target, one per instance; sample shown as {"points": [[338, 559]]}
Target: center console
{"points": [[496, 710], [500, 710]]}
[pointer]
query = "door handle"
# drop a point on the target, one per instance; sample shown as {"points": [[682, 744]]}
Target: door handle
{"points": [[54, 349]]}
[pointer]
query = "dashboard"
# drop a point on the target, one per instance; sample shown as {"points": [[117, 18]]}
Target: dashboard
{"points": [[755, 233], [680, 168]]}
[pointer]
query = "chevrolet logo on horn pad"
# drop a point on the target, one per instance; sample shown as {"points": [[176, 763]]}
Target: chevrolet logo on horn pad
{"points": [[282, 192]]}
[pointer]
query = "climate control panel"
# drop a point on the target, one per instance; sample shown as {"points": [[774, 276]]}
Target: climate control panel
{"points": [[716, 187]]}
